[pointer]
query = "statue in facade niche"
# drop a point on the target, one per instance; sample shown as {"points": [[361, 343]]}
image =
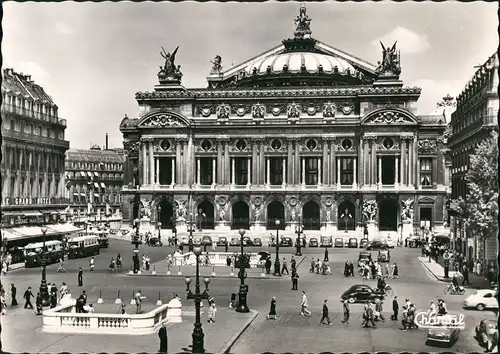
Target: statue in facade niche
{"points": [[257, 214], [169, 69], [407, 210], [181, 210], [294, 215], [216, 64], [302, 23], [145, 209], [328, 214], [390, 64]]}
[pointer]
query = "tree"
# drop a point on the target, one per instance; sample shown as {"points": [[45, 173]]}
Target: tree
{"points": [[480, 209]]}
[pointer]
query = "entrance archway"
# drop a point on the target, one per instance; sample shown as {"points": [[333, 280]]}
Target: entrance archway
{"points": [[166, 214], [205, 215], [311, 216], [275, 211], [346, 216], [388, 215], [240, 216]]}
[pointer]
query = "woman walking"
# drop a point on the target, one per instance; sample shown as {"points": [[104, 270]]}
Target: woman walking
{"points": [[272, 310]]}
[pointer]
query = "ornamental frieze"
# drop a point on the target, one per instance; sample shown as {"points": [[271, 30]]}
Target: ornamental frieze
{"points": [[387, 144], [311, 108], [163, 120], [205, 145], [240, 110], [276, 110], [347, 109], [345, 145], [132, 147], [223, 111], [258, 111], [240, 145], [389, 117], [205, 111], [329, 110], [426, 146], [293, 110], [164, 145]]}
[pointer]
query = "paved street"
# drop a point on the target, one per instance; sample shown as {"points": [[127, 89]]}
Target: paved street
{"points": [[289, 333]]}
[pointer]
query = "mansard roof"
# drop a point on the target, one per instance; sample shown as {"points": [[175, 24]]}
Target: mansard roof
{"points": [[22, 85]]}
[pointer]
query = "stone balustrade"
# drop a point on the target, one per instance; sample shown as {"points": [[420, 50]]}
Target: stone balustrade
{"points": [[64, 319], [216, 258]]}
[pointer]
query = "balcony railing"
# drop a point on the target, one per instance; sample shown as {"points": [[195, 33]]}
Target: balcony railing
{"points": [[482, 122], [34, 201], [7, 108], [35, 138]]}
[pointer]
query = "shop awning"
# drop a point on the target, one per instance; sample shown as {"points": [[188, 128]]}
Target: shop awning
{"points": [[11, 213], [46, 211], [31, 213], [17, 233], [103, 185], [10, 235], [64, 228]]}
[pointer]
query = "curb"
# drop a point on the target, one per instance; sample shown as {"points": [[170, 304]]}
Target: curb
{"points": [[229, 344], [441, 279], [271, 277]]}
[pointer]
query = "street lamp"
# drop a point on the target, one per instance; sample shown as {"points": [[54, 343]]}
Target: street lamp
{"points": [[190, 242], [277, 260], [298, 245], [242, 294], [159, 223], [135, 242], [44, 290], [198, 335]]}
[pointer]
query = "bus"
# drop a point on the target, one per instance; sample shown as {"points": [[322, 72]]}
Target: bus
{"points": [[33, 253], [102, 236], [83, 246]]}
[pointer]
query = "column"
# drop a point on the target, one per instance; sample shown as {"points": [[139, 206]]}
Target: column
{"points": [[319, 171], [249, 171], [151, 163], [262, 167], [297, 173], [434, 171], [355, 174], [219, 161], [379, 181], [226, 162], [157, 181], [173, 171], [417, 179], [179, 171], [214, 174], [144, 163], [254, 178], [325, 163], [198, 170], [403, 161], [289, 178], [332, 161], [410, 162], [396, 172], [233, 169], [373, 165], [268, 171], [284, 171], [338, 173], [303, 179], [415, 163]]}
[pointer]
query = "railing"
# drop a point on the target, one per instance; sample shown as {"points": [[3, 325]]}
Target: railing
{"points": [[215, 258], [35, 138], [7, 108], [64, 319], [484, 121]]}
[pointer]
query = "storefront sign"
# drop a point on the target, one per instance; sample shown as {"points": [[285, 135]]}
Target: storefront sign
{"points": [[34, 201]]}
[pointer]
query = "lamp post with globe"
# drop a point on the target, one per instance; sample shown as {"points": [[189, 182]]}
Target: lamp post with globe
{"points": [[136, 241], [242, 293], [298, 245], [198, 335], [44, 290], [277, 260]]}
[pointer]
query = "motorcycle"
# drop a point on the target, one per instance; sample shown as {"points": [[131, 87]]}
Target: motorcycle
{"points": [[452, 290]]}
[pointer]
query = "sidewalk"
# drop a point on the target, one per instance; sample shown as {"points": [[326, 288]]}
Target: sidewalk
{"points": [[437, 270], [22, 333], [161, 269]]}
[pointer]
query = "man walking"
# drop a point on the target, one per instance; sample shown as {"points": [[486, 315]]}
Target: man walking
{"points": [[27, 297], [325, 314], [378, 310], [347, 311], [13, 294], [293, 264], [395, 309], [80, 276], [163, 335], [138, 301], [295, 280], [326, 259], [465, 274], [304, 311], [284, 267]]}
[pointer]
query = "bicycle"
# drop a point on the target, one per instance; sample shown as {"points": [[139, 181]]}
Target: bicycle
{"points": [[450, 289]]}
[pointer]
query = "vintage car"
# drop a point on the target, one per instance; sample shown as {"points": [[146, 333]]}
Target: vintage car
{"points": [[247, 241], [353, 243], [441, 334], [221, 241], [339, 242], [286, 242], [364, 257], [154, 241], [376, 245], [313, 242], [197, 240], [235, 241], [482, 299], [487, 335], [206, 240], [257, 242], [326, 241], [361, 293], [363, 243], [384, 256]]}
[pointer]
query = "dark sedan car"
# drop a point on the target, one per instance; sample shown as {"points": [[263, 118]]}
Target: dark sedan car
{"points": [[377, 245], [363, 243], [361, 293], [353, 243], [235, 241], [206, 240], [286, 242], [247, 241], [339, 242], [313, 242], [257, 242], [221, 241]]}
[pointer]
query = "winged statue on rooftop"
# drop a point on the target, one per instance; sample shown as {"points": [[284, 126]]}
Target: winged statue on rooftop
{"points": [[169, 70], [390, 64], [302, 23]]}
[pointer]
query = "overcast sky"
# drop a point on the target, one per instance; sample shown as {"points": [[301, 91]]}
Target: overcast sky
{"points": [[93, 57]]}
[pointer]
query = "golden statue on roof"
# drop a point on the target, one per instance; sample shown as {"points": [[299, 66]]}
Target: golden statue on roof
{"points": [[302, 24]]}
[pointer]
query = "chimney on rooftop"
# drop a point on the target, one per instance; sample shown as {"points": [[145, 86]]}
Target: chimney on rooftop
{"points": [[107, 138]]}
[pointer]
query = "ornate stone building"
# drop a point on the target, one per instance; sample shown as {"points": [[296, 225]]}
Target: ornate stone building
{"points": [[94, 179], [303, 133], [475, 117], [33, 153]]}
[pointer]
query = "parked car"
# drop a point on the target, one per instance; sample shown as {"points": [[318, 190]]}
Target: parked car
{"points": [[235, 241], [364, 257], [376, 245], [361, 293], [482, 299], [247, 241], [384, 256], [353, 243], [257, 242], [487, 335], [206, 240], [441, 334], [363, 243], [197, 240], [326, 241], [221, 241], [313, 242], [286, 242], [339, 242]]}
